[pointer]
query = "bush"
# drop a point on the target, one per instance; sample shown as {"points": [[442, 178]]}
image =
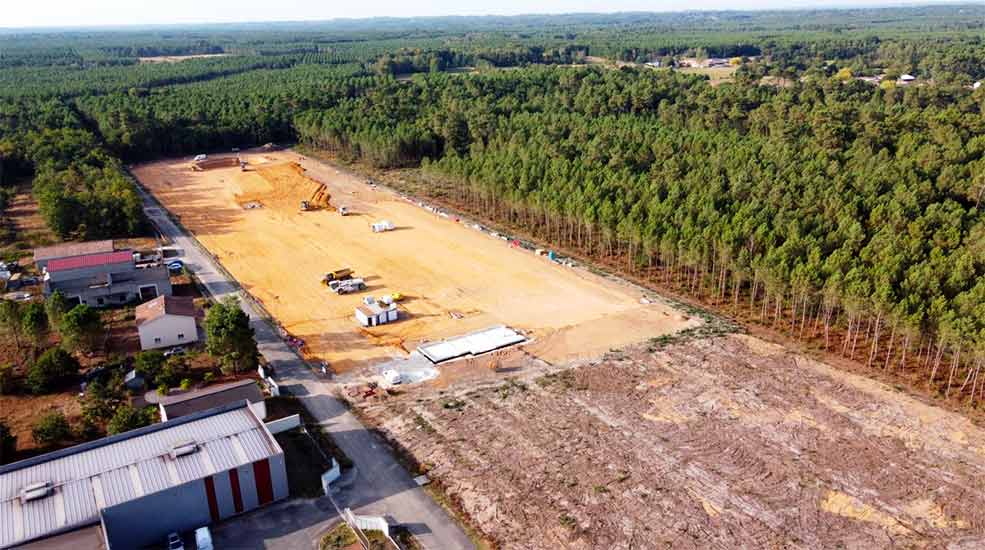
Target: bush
{"points": [[128, 418], [230, 337], [52, 367], [8, 444], [163, 389], [80, 328], [209, 376], [149, 364], [52, 428], [186, 384]]}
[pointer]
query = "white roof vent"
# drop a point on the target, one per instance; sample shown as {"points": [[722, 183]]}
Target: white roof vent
{"points": [[183, 449], [35, 491]]}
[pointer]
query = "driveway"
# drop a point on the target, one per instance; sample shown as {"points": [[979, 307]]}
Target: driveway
{"points": [[379, 485]]}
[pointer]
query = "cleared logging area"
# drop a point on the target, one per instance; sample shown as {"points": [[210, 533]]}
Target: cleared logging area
{"points": [[725, 442], [454, 279]]}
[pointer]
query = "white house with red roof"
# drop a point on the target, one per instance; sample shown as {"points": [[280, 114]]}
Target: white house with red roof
{"points": [[98, 275]]}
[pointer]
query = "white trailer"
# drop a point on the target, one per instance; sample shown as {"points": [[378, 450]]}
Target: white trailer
{"points": [[383, 225]]}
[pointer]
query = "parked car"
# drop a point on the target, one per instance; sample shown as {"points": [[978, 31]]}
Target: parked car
{"points": [[177, 350], [176, 266], [200, 158], [175, 542], [203, 538]]}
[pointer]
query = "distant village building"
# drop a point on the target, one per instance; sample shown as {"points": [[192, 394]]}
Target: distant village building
{"points": [[96, 274], [166, 321]]}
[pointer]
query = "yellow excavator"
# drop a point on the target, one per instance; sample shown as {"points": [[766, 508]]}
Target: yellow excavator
{"points": [[319, 199]]}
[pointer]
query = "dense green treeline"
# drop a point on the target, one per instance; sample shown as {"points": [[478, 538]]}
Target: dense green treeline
{"points": [[82, 190], [238, 111], [829, 204]]}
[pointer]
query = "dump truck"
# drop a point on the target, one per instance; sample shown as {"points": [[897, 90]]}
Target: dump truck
{"points": [[337, 275], [347, 286]]}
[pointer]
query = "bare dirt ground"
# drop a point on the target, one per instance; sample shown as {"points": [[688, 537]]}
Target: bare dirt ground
{"points": [[725, 442], [455, 279], [179, 58]]}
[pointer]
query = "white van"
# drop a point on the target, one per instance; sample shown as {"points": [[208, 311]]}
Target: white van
{"points": [[203, 538], [200, 158]]}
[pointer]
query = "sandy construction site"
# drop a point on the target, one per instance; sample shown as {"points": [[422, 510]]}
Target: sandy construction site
{"points": [[454, 278], [724, 442]]}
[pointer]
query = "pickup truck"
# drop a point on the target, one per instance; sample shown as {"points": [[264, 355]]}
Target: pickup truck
{"points": [[347, 286]]}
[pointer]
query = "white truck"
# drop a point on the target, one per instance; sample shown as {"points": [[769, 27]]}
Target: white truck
{"points": [[347, 286]]}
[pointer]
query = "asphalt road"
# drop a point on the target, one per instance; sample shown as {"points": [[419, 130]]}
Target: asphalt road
{"points": [[379, 485]]}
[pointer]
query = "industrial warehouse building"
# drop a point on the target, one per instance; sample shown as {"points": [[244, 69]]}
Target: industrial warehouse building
{"points": [[138, 486]]}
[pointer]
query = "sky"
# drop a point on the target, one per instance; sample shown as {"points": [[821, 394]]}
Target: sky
{"points": [[49, 13]]}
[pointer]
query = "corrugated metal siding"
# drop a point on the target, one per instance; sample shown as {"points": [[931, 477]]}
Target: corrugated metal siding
{"points": [[117, 486], [80, 504], [39, 517], [7, 535], [190, 467], [223, 454], [72, 475], [256, 445], [153, 476]]}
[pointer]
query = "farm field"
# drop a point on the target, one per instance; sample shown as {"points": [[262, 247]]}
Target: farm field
{"points": [[723, 442], [455, 279]]}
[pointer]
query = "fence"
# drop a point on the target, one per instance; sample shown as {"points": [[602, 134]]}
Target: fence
{"points": [[330, 476], [284, 424]]}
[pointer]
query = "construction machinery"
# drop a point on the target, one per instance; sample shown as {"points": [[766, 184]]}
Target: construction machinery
{"points": [[337, 275], [319, 199], [347, 286]]}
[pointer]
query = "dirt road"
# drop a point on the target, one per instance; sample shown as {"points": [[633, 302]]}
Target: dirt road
{"points": [[455, 279]]}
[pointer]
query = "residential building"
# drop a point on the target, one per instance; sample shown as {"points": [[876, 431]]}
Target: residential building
{"points": [[70, 250], [95, 274], [166, 321], [138, 486], [177, 406]]}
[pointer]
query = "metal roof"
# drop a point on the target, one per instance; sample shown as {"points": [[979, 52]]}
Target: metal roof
{"points": [[90, 260], [67, 250], [108, 471], [191, 402], [476, 343]]}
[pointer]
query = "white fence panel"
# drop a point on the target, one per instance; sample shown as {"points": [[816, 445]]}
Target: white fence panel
{"points": [[284, 424]]}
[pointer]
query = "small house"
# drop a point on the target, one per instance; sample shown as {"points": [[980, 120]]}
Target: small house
{"points": [[373, 314], [166, 321]]}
